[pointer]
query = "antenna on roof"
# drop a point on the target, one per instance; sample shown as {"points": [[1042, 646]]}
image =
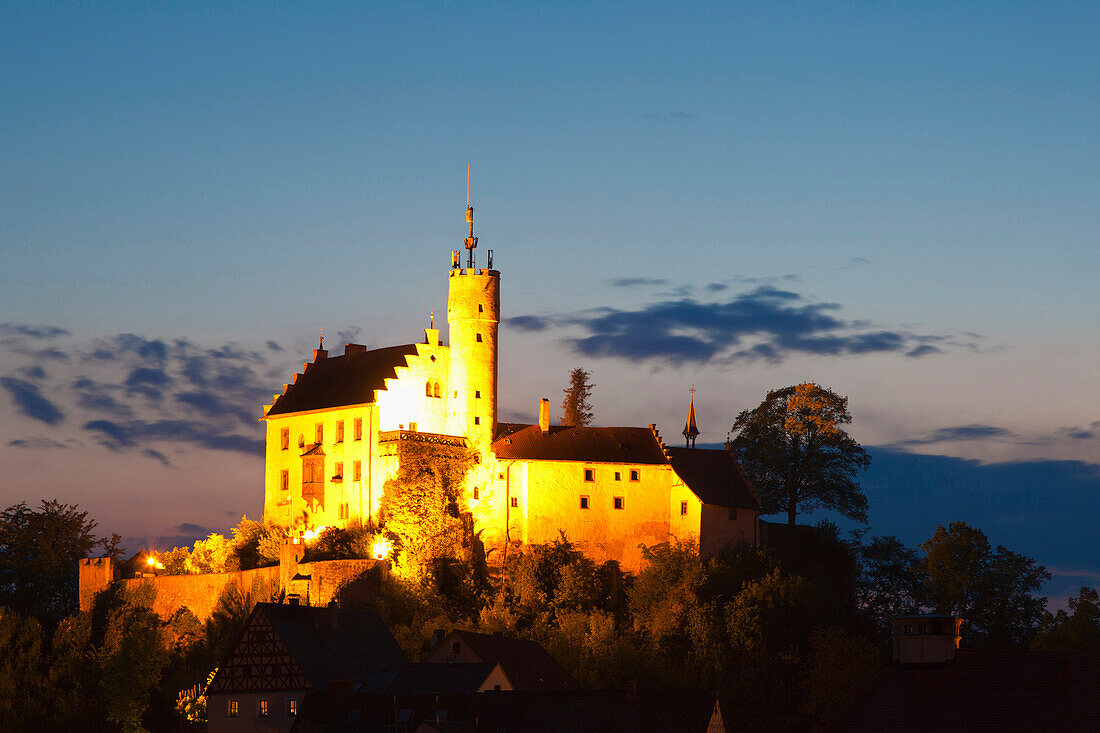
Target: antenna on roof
{"points": [[471, 241]]}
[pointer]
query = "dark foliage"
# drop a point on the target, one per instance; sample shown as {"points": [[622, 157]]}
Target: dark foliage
{"points": [[576, 407]]}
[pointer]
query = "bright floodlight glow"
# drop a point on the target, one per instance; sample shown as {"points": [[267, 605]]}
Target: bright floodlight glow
{"points": [[381, 548]]}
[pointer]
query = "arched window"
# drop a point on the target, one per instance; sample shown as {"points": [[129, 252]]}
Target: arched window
{"points": [[428, 388], [437, 392]]}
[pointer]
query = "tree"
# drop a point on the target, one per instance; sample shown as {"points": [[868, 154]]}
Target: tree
{"points": [[39, 553], [795, 451], [890, 581], [576, 410], [1078, 631], [990, 589]]}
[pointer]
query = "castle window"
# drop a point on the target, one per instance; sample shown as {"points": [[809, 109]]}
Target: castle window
{"points": [[284, 480], [338, 473], [318, 433], [477, 394], [584, 502], [733, 512], [358, 428], [412, 426], [427, 389], [634, 474], [357, 471], [589, 474], [456, 393], [618, 476], [479, 338], [261, 709], [501, 475], [284, 439], [291, 708], [515, 503], [480, 308], [477, 458], [234, 709], [619, 502], [438, 392], [683, 508], [477, 421], [340, 431], [477, 493]]}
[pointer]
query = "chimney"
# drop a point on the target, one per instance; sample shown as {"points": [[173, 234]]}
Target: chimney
{"points": [[353, 349], [544, 415]]}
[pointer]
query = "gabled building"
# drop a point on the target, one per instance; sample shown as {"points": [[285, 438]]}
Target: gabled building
{"points": [[526, 665], [285, 651], [335, 436]]}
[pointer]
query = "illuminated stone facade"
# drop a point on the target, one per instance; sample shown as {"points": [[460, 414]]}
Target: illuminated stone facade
{"points": [[333, 437]]}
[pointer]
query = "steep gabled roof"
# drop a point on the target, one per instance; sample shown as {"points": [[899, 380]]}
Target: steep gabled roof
{"points": [[337, 381], [442, 677], [527, 665], [299, 647], [564, 443], [713, 476]]}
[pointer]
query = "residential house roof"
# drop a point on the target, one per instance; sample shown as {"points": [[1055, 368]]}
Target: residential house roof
{"points": [[984, 690], [442, 677], [526, 664]]}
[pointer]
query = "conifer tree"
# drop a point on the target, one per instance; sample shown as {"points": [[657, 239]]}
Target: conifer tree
{"points": [[576, 409]]}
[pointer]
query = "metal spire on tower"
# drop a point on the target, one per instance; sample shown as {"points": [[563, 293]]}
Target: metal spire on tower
{"points": [[691, 429], [471, 241]]}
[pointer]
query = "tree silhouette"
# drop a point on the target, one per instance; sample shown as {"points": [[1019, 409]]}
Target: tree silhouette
{"points": [[795, 451]]}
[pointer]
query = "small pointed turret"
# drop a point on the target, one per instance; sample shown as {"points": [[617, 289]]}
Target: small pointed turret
{"points": [[691, 429]]}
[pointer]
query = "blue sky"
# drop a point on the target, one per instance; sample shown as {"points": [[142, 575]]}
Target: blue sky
{"points": [[897, 200]]}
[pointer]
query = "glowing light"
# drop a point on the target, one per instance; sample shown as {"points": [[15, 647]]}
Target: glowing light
{"points": [[381, 548], [311, 534], [151, 560]]}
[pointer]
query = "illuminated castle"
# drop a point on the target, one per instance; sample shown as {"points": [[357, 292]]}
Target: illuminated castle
{"points": [[333, 439]]}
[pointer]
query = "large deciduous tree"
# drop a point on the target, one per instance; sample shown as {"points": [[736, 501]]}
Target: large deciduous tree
{"points": [[576, 409], [990, 589], [39, 551], [793, 447]]}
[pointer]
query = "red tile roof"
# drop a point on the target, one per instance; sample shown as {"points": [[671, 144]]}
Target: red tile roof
{"points": [[563, 443], [713, 476]]}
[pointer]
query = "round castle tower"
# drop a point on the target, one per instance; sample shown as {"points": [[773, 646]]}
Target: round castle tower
{"points": [[473, 315]]}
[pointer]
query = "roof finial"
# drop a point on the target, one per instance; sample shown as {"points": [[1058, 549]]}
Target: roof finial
{"points": [[691, 429], [471, 241], [321, 339], [431, 318]]}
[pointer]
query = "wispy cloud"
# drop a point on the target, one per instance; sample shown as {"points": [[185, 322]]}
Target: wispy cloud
{"points": [[767, 323], [634, 282], [29, 401], [961, 433]]}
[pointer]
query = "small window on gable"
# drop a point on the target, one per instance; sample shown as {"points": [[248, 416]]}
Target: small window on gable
{"points": [[339, 431], [477, 421], [584, 502], [683, 508], [233, 709], [618, 476], [477, 394], [284, 480], [479, 338], [480, 307], [261, 709], [436, 391], [427, 389], [291, 708], [515, 503], [619, 502], [456, 647], [338, 472], [635, 475], [358, 428], [477, 493], [318, 433], [357, 471], [284, 439], [589, 474]]}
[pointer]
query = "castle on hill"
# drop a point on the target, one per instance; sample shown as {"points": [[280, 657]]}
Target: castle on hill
{"points": [[334, 437]]}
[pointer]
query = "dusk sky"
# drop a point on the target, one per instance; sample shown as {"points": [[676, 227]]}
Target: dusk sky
{"points": [[898, 202]]}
